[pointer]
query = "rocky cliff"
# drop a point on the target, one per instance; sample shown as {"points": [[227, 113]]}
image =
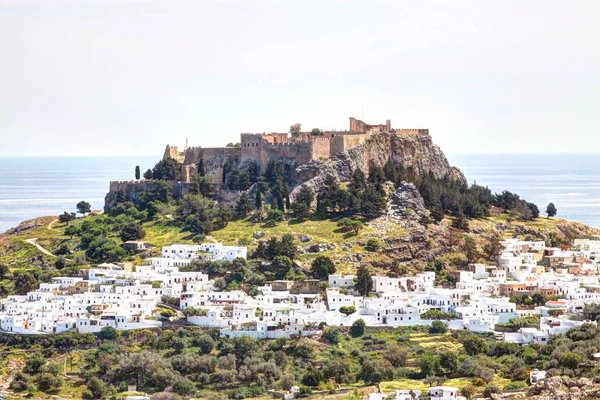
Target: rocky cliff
{"points": [[415, 151]]}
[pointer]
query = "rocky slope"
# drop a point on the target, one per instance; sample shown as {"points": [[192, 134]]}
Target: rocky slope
{"points": [[564, 388], [415, 151]]}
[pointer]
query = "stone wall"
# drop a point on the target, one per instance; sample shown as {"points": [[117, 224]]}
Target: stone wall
{"points": [[133, 189], [321, 147], [341, 143]]}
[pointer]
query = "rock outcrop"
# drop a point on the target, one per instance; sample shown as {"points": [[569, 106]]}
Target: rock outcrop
{"points": [[406, 205], [416, 151], [564, 388]]}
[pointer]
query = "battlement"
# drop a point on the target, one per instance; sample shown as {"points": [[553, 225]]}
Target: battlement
{"points": [[414, 131]]}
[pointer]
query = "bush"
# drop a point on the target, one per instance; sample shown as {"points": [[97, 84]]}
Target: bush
{"points": [[347, 310], [372, 245], [358, 328], [322, 267], [332, 335], [184, 387], [438, 327], [491, 389]]}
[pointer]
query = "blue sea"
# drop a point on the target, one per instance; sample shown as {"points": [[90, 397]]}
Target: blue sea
{"points": [[570, 181], [31, 187]]}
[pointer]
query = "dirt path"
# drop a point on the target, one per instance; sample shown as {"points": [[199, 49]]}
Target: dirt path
{"points": [[52, 223], [34, 242]]}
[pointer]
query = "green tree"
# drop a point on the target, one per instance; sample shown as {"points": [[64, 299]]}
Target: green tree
{"points": [[332, 335], [338, 370], [468, 391], [429, 364], [363, 281], [474, 345], [4, 271], [72, 230], [295, 130], [493, 246], [469, 249], [201, 170], [103, 249], [96, 388], [438, 327], [347, 310], [243, 205], [375, 371], [304, 199], [449, 362], [137, 172], [551, 210], [570, 360], [107, 333], [83, 207], [34, 364], [322, 266], [395, 355], [66, 217], [49, 383], [316, 132], [24, 282], [280, 266], [132, 231], [358, 328], [148, 174]]}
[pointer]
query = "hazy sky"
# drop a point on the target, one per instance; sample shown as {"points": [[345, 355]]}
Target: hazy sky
{"points": [[112, 77]]}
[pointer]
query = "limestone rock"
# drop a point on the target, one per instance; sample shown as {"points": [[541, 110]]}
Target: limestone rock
{"points": [[415, 151], [305, 238], [407, 204], [258, 234]]}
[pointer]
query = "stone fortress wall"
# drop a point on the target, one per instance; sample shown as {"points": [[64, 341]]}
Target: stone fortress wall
{"points": [[265, 147]]}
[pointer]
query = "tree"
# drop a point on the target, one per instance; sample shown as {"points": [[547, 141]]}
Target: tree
{"points": [[375, 371], [295, 130], [96, 388], [4, 271], [551, 210], [103, 249], [491, 389], [24, 282], [493, 246], [429, 364], [322, 267], [347, 310], [358, 328], [338, 370], [474, 345], [201, 170], [66, 217], [243, 205], [395, 355], [304, 199], [137, 172], [83, 207], [274, 215], [468, 391], [570, 360], [332, 335], [470, 249], [363, 281], [49, 383], [72, 230], [438, 327], [316, 132], [148, 174], [132, 231], [107, 333], [449, 362], [280, 266]]}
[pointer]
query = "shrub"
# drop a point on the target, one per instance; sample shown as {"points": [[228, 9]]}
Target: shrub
{"points": [[358, 328], [347, 310], [438, 327], [372, 245], [491, 389]]}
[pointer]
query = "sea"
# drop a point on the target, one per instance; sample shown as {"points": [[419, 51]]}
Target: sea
{"points": [[33, 187], [39, 186]]}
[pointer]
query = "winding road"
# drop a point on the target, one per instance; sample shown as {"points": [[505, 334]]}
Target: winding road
{"points": [[34, 242]]}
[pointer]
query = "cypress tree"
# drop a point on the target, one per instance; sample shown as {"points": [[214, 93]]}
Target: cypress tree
{"points": [[137, 172], [201, 171]]}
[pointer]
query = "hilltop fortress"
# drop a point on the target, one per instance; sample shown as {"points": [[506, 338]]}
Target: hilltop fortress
{"points": [[311, 155], [262, 148]]}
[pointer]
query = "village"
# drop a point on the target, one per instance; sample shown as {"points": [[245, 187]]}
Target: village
{"points": [[484, 300]]}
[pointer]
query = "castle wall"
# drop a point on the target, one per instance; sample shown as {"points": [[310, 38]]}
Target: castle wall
{"points": [[171, 152], [321, 147], [299, 151], [342, 143], [133, 189]]}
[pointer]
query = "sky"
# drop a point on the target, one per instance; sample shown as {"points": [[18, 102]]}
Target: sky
{"points": [[126, 77]]}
